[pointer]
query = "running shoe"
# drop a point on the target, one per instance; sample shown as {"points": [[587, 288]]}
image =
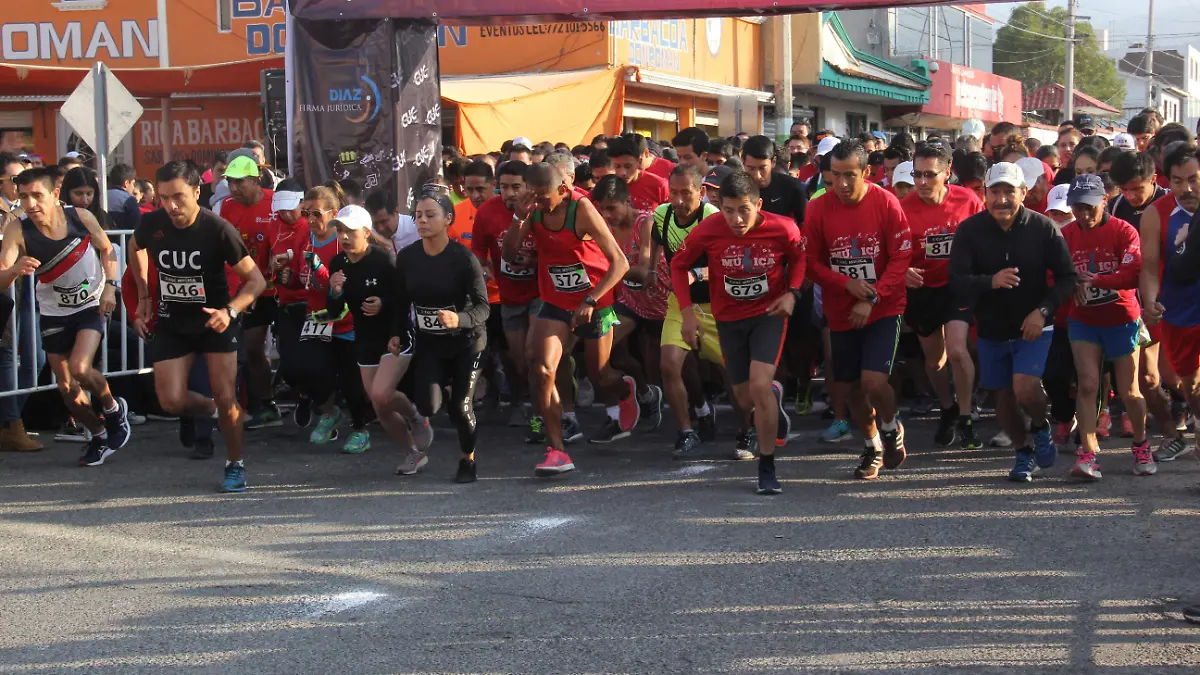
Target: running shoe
{"points": [[1025, 467], [707, 425], [95, 452], [767, 483], [1087, 467], [923, 405], [235, 478], [555, 462], [414, 461], [785, 422], [269, 416], [837, 432], [187, 432], [652, 407], [466, 471], [610, 431], [518, 418], [1143, 459], [803, 404], [747, 443], [587, 394], [135, 419], [1103, 424], [1126, 426], [630, 412], [944, 436], [537, 431], [687, 445], [967, 438], [73, 432], [116, 425], [1000, 440], [871, 462], [1172, 449], [358, 443], [421, 431], [203, 449], [1063, 431], [572, 432], [1043, 446], [975, 416], [327, 427], [302, 415], [894, 452]]}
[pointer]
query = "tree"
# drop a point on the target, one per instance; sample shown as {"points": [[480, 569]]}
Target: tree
{"points": [[1036, 61]]}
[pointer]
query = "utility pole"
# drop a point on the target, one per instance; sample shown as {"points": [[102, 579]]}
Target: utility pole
{"points": [[1150, 58], [783, 77], [1069, 85]]}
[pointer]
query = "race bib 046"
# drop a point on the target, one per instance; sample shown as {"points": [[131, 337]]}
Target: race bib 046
{"points": [[855, 268], [569, 278], [181, 289], [313, 330], [427, 319], [750, 288]]}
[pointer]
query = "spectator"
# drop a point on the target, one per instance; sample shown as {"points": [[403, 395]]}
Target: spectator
{"points": [[149, 200], [11, 168], [70, 161], [213, 176], [122, 205], [81, 189], [800, 130], [387, 225]]}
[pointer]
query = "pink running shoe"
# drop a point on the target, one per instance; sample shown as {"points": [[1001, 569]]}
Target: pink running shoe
{"points": [[1062, 432], [1104, 424], [556, 462], [1143, 459], [1126, 426], [1086, 466], [631, 412]]}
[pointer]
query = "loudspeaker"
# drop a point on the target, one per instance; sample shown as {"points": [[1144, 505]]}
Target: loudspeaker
{"points": [[274, 109]]}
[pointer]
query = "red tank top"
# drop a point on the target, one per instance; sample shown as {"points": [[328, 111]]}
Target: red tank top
{"points": [[568, 267]]}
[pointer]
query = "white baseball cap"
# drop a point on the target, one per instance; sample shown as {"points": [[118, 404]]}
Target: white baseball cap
{"points": [[73, 155], [903, 174], [353, 217], [522, 140], [284, 200], [1005, 172], [1033, 169], [974, 128], [1057, 199], [828, 143], [1124, 141]]}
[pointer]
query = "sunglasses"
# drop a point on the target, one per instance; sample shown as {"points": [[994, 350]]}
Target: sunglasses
{"points": [[310, 214], [927, 175]]}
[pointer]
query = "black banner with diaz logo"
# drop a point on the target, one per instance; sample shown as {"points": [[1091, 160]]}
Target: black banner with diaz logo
{"points": [[368, 106]]}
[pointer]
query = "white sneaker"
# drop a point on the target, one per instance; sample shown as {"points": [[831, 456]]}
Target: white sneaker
{"points": [[413, 462], [587, 394], [1000, 440]]}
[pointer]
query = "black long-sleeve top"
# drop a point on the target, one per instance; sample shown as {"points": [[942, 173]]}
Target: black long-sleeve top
{"points": [[373, 276], [452, 280], [1034, 246]]}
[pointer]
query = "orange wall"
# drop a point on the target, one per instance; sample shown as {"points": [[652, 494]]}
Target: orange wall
{"points": [[472, 50]]}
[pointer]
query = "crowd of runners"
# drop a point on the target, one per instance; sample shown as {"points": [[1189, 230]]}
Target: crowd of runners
{"points": [[1061, 282]]}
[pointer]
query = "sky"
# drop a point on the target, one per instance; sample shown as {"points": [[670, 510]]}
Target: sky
{"points": [[1176, 22]]}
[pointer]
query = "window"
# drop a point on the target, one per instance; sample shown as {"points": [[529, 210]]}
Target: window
{"points": [[951, 38], [224, 16], [982, 38], [856, 123], [909, 27]]}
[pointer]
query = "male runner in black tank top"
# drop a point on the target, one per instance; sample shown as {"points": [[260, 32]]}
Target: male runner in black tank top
{"points": [[76, 291], [1133, 172]]}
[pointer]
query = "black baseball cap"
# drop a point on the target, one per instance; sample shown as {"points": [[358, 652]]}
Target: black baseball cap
{"points": [[717, 175], [1087, 189]]}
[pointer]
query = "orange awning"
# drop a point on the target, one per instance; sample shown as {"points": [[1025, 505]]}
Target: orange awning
{"points": [[571, 106], [239, 76]]}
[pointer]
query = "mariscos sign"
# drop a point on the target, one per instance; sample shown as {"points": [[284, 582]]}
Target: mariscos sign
{"points": [[964, 93]]}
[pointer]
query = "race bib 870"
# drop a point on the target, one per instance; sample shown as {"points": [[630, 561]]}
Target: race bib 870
{"points": [[76, 296]]}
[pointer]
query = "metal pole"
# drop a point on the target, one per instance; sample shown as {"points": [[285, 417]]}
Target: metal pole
{"points": [[1150, 58], [1069, 85], [166, 130], [783, 78], [100, 74]]}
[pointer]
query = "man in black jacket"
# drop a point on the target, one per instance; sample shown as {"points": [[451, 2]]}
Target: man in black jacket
{"points": [[999, 263]]}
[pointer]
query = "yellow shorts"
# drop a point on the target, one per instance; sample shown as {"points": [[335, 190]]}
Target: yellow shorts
{"points": [[672, 334]]}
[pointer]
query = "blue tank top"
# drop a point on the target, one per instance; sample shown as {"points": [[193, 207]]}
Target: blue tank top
{"points": [[1182, 303]]}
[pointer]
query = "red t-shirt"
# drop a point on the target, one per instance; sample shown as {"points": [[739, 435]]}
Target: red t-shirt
{"points": [[1112, 252], [809, 170], [746, 272], [648, 191], [259, 228], [294, 238], [869, 240], [515, 284], [933, 229], [462, 230], [661, 167]]}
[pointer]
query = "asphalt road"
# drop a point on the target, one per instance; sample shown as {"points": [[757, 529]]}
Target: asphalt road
{"points": [[633, 564]]}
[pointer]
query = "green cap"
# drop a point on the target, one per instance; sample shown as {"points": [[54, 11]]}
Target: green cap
{"points": [[242, 167]]}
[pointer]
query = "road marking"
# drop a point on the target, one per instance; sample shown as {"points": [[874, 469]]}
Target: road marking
{"points": [[342, 602], [531, 526], [692, 469]]}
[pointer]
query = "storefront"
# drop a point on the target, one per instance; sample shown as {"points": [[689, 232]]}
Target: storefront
{"points": [[959, 94]]}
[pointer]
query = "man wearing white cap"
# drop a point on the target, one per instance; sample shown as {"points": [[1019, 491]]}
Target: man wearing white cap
{"points": [[902, 180], [1124, 141], [1000, 259], [521, 150], [1036, 181]]}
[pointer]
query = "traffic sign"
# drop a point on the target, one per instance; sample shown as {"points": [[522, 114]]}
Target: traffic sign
{"points": [[101, 110]]}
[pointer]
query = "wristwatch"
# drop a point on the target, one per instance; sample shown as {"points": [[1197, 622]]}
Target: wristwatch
{"points": [[113, 283], [233, 313], [1046, 314], [590, 301]]}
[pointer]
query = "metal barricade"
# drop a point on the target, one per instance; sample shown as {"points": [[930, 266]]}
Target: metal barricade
{"points": [[12, 388]]}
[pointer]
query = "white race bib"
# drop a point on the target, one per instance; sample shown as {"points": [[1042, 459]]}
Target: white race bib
{"points": [[515, 272], [634, 285], [313, 330], [73, 297], [1100, 296], [181, 289], [855, 268], [427, 319], [569, 278], [751, 288], [938, 245]]}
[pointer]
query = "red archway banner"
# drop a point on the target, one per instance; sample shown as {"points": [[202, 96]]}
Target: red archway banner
{"points": [[534, 11]]}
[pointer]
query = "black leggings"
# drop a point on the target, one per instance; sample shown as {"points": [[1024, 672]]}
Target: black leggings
{"points": [[288, 323], [325, 367], [461, 372], [1059, 376]]}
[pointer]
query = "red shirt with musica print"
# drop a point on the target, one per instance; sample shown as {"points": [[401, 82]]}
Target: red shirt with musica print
{"points": [[869, 240], [259, 228], [746, 272], [1112, 253], [517, 284], [933, 229]]}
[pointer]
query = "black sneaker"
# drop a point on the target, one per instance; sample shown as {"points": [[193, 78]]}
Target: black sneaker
{"points": [[95, 452], [687, 445], [894, 452], [652, 408], [767, 483], [187, 432], [967, 438], [609, 432], [871, 462], [944, 436], [203, 449], [466, 471], [708, 425], [116, 425], [747, 443], [302, 415], [537, 431]]}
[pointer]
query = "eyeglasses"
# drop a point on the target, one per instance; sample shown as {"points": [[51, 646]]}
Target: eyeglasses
{"points": [[927, 175], [310, 214]]}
